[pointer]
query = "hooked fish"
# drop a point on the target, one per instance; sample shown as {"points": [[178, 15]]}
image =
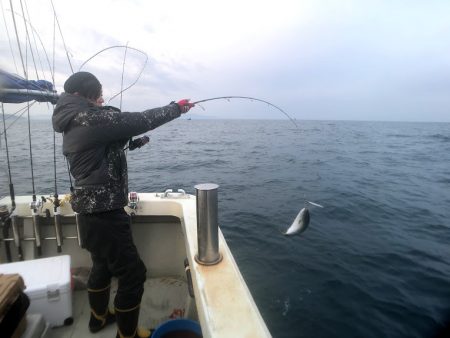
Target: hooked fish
{"points": [[301, 221]]}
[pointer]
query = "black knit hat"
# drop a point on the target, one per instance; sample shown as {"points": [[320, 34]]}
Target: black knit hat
{"points": [[85, 84]]}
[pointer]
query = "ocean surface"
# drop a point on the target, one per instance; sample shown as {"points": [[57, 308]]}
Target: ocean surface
{"points": [[374, 262]]}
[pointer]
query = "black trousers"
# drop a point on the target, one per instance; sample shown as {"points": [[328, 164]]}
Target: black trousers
{"points": [[107, 236]]}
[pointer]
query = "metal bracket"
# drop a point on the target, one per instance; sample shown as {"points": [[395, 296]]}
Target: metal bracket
{"points": [[169, 193]]}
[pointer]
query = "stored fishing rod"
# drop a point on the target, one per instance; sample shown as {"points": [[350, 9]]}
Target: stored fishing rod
{"points": [[12, 213], [35, 203], [248, 98], [56, 204], [5, 222]]}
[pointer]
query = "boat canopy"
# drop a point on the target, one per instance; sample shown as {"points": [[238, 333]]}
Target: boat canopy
{"points": [[15, 89]]}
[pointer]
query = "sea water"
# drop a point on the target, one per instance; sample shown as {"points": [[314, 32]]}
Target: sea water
{"points": [[373, 263]]}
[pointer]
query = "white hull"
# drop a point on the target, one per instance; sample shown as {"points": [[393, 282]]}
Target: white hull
{"points": [[165, 232]]}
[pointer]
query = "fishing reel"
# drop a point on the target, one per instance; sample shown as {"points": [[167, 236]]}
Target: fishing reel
{"points": [[36, 205], [138, 142], [4, 214]]}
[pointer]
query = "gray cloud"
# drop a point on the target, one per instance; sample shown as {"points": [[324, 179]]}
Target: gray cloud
{"points": [[367, 60]]}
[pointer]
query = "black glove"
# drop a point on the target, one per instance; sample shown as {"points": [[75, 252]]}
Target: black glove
{"points": [[138, 142]]}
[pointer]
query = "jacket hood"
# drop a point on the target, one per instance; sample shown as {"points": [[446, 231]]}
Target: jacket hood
{"points": [[67, 107]]}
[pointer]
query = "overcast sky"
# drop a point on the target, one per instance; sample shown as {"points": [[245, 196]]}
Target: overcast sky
{"points": [[316, 59]]}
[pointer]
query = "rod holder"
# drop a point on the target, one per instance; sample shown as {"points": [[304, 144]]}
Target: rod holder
{"points": [[207, 224], [58, 232], [37, 233], [34, 206], [16, 236], [77, 222]]}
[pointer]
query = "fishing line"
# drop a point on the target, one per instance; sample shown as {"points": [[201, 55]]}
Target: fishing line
{"points": [[17, 118], [62, 36], [9, 38], [127, 47], [247, 98], [28, 42], [37, 50], [53, 52], [17, 36], [123, 72], [31, 153], [28, 20], [121, 88]]}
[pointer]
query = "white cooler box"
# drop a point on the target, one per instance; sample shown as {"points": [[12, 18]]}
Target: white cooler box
{"points": [[47, 284]]}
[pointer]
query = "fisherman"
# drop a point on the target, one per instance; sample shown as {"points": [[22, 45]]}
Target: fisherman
{"points": [[94, 137]]}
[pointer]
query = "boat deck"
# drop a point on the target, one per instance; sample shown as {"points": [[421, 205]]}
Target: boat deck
{"points": [[163, 298]]}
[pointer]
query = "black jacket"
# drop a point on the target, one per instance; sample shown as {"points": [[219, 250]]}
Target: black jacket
{"points": [[93, 142]]}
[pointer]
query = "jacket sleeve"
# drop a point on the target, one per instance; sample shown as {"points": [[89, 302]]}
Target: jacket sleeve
{"points": [[105, 126]]}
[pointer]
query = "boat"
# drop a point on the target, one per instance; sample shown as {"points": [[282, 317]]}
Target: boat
{"points": [[206, 287], [191, 272]]}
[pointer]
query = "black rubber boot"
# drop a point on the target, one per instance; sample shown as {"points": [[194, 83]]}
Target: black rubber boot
{"points": [[100, 313], [127, 321]]}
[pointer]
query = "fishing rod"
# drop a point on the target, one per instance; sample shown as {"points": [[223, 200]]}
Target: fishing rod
{"points": [[35, 203], [56, 203], [126, 49], [248, 98], [12, 217], [35, 34]]}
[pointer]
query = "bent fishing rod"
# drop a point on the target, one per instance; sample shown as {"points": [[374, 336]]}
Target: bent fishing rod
{"points": [[247, 98]]}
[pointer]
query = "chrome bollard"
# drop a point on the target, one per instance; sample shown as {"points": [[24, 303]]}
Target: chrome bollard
{"points": [[207, 224]]}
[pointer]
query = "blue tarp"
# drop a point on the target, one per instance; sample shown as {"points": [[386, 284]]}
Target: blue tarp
{"points": [[15, 89]]}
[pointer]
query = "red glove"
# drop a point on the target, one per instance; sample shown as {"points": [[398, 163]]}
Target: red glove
{"points": [[185, 105]]}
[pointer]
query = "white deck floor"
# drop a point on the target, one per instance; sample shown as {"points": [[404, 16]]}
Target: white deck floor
{"points": [[162, 297]]}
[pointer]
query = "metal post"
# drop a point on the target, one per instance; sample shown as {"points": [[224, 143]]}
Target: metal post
{"points": [[207, 224]]}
